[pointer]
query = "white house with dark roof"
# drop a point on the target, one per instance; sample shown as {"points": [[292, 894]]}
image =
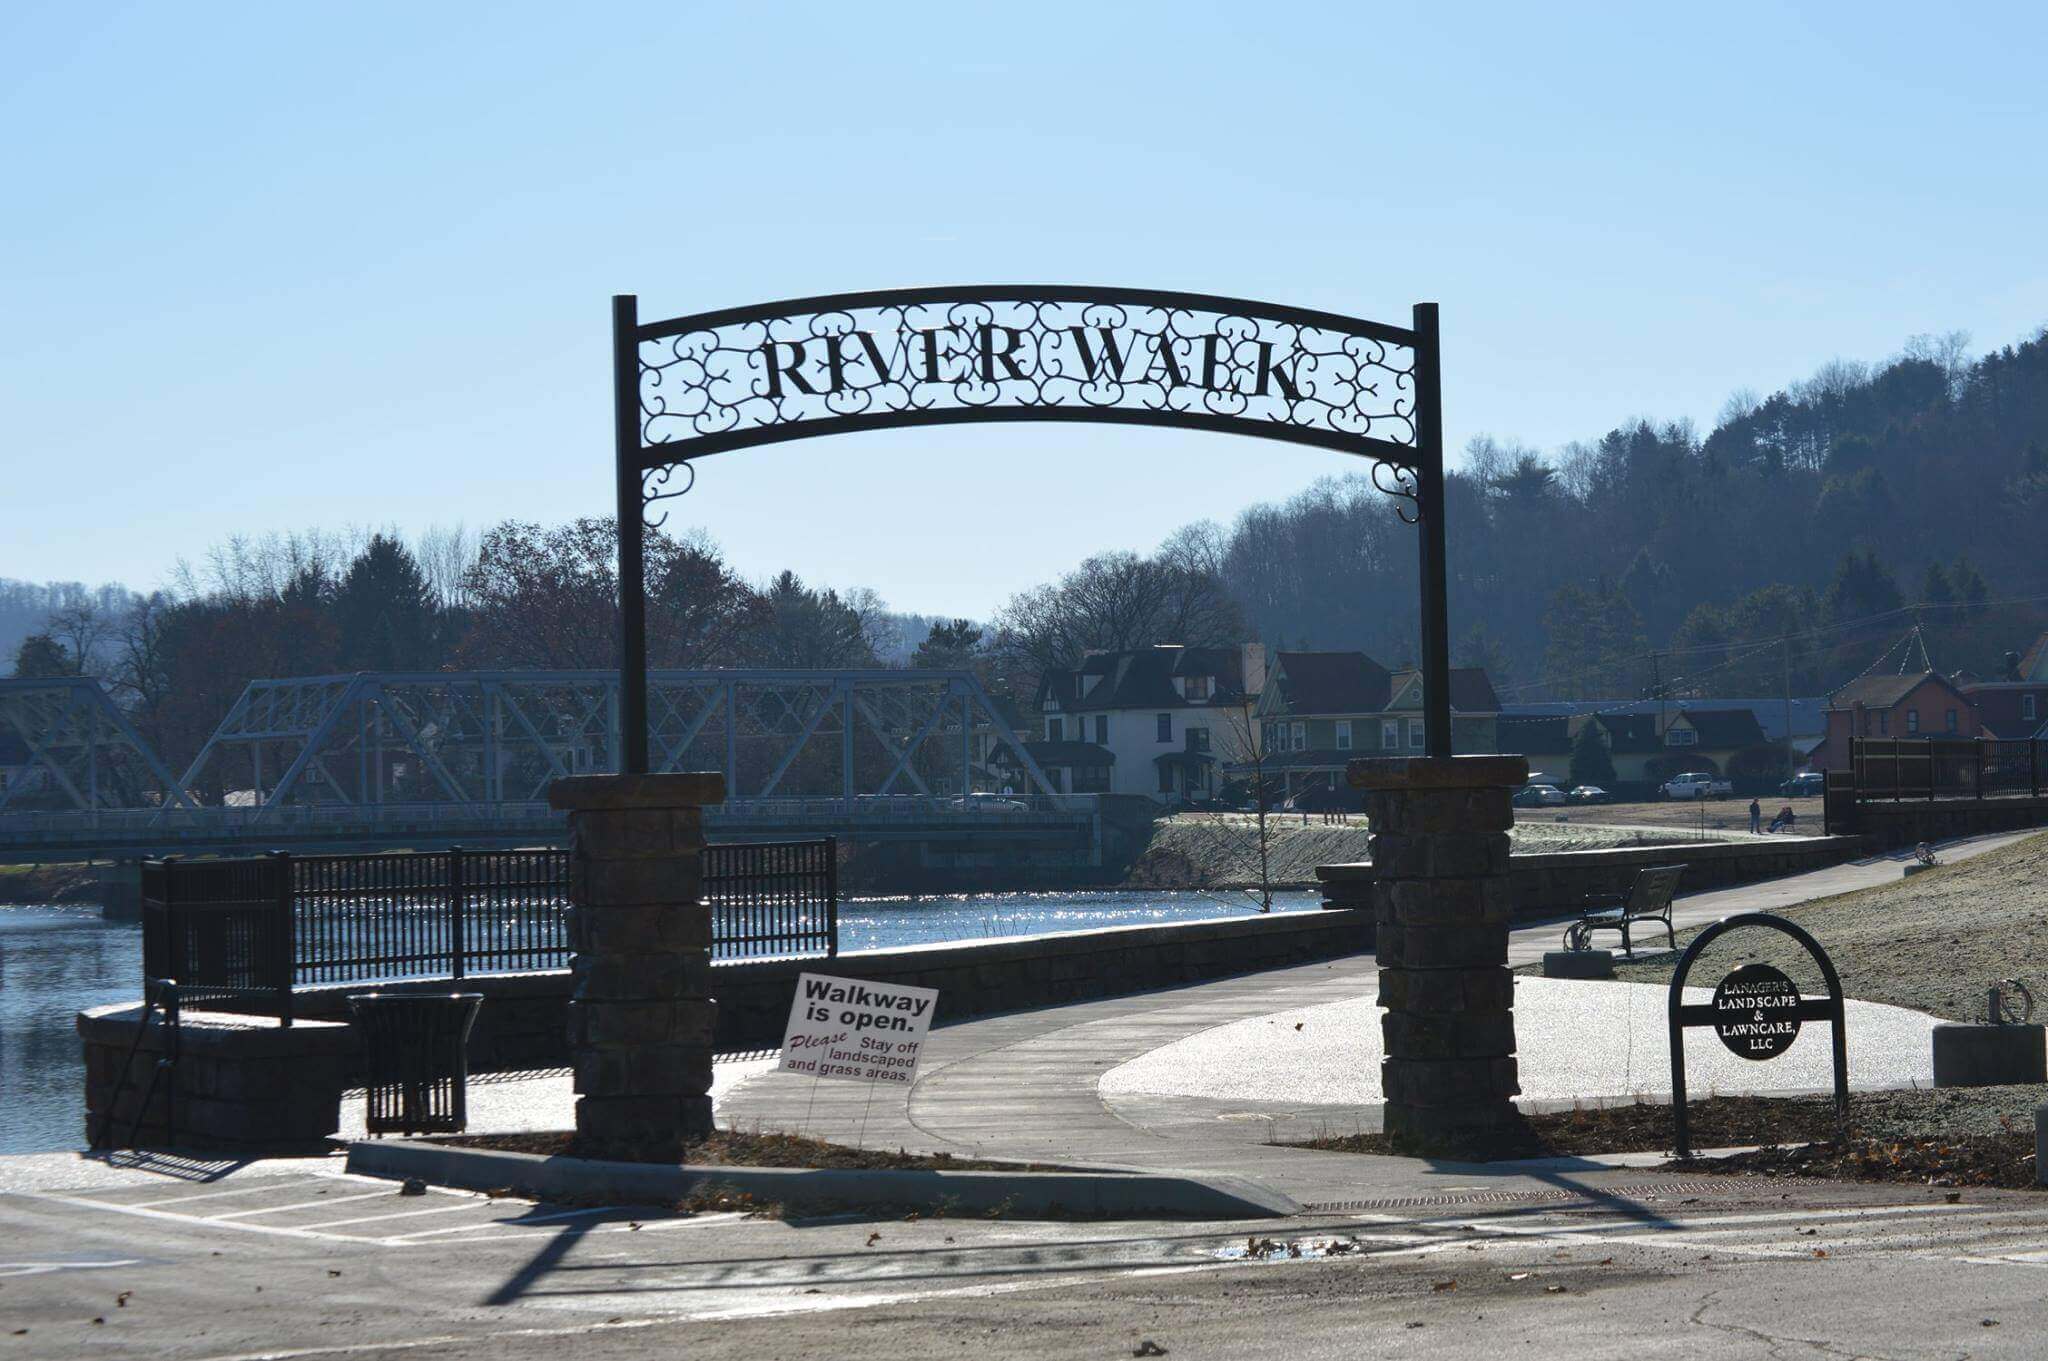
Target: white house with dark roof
{"points": [[1318, 710], [1158, 721]]}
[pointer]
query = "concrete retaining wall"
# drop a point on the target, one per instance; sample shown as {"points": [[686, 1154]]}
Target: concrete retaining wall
{"points": [[270, 1085], [1556, 884], [1891, 825], [523, 1023]]}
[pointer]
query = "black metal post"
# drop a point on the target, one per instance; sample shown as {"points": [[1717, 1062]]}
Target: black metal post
{"points": [[1680, 1132], [632, 559], [832, 897], [1429, 499], [285, 938], [455, 931]]}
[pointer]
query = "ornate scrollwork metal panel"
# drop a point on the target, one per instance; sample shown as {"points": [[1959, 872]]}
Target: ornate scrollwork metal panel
{"points": [[816, 366]]}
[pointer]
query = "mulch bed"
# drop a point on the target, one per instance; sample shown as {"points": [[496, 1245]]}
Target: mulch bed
{"points": [[734, 1148], [2005, 1160], [1799, 1134]]}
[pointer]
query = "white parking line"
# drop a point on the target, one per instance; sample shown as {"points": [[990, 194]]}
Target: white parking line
{"points": [[399, 1214], [643, 1226], [272, 1184], [192, 1221], [299, 1205], [515, 1222]]}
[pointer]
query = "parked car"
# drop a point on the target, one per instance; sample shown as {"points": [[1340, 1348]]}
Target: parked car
{"points": [[1587, 793], [1697, 784], [988, 803], [1539, 796], [1806, 784]]}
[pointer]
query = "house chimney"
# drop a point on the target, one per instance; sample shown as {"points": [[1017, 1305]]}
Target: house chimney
{"points": [[1252, 662]]}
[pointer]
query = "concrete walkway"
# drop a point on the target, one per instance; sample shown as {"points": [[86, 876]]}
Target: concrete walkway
{"points": [[1027, 1085]]}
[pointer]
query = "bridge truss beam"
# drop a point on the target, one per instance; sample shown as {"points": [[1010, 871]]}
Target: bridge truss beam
{"points": [[495, 737], [82, 754]]}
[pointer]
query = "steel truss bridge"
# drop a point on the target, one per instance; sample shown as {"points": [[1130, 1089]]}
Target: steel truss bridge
{"points": [[441, 758]]}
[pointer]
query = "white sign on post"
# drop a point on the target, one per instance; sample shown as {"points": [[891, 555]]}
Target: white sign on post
{"points": [[866, 1032]]}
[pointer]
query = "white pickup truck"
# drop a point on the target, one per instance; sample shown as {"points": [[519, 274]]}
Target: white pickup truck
{"points": [[1697, 784]]}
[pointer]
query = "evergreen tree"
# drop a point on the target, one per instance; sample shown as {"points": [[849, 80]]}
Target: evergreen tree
{"points": [[385, 610], [1970, 585], [1934, 586], [1863, 586], [40, 657], [950, 646], [1592, 763]]}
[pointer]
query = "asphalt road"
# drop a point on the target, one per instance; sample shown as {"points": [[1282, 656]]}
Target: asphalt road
{"points": [[300, 1260]]}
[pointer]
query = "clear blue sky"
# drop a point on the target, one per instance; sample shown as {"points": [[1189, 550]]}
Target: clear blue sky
{"points": [[290, 265]]}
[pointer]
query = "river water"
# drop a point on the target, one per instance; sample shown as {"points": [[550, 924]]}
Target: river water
{"points": [[57, 961]]}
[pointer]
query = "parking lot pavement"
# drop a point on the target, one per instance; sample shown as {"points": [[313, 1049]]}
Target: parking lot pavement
{"points": [[312, 1262]]}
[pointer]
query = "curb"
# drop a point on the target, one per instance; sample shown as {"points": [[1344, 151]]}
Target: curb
{"points": [[1116, 1195]]}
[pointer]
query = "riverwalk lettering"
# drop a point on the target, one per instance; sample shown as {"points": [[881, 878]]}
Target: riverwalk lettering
{"points": [[862, 1032], [1216, 362]]}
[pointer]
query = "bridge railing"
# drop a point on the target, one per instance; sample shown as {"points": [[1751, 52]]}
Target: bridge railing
{"points": [[242, 933], [280, 820]]}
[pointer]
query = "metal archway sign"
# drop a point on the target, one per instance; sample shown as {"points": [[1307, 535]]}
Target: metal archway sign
{"points": [[692, 386], [1756, 1011]]}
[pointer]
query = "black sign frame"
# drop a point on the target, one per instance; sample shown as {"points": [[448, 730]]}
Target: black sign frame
{"points": [[1684, 1015], [736, 378]]}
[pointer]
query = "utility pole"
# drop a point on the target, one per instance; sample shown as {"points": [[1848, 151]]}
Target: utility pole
{"points": [[1791, 760]]}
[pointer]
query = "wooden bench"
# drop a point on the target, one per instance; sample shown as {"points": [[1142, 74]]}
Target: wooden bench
{"points": [[1647, 900]]}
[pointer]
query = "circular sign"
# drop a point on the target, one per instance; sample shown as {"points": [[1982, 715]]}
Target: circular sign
{"points": [[1756, 1012]]}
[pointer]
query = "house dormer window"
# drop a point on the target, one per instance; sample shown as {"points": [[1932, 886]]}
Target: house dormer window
{"points": [[1681, 737], [1197, 689]]}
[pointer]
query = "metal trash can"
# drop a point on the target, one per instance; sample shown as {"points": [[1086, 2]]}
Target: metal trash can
{"points": [[415, 1059]]}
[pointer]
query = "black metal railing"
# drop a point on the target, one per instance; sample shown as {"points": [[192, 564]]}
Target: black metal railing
{"points": [[773, 899], [220, 930], [241, 933], [1894, 768]]}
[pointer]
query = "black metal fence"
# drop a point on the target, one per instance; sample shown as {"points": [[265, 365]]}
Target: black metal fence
{"points": [[1892, 768], [222, 929], [242, 933]]}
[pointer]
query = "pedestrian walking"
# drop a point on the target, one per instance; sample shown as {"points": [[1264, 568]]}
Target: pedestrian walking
{"points": [[1756, 818]]}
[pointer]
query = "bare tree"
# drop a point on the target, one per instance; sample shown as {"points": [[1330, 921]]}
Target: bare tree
{"points": [[1121, 600], [445, 554], [84, 630]]}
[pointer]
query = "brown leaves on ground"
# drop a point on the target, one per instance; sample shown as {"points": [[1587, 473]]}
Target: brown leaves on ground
{"points": [[2003, 1160]]}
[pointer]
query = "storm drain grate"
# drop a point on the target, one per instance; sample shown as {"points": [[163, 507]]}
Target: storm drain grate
{"points": [[1659, 1189]]}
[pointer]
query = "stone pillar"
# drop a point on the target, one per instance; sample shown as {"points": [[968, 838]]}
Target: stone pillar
{"points": [[1441, 905], [641, 1013]]}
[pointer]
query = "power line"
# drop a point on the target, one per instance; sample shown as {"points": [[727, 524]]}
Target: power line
{"points": [[1815, 632]]}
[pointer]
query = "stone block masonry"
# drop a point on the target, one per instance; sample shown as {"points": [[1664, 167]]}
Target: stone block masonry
{"points": [[240, 1084], [641, 1019], [1441, 905], [1554, 884]]}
